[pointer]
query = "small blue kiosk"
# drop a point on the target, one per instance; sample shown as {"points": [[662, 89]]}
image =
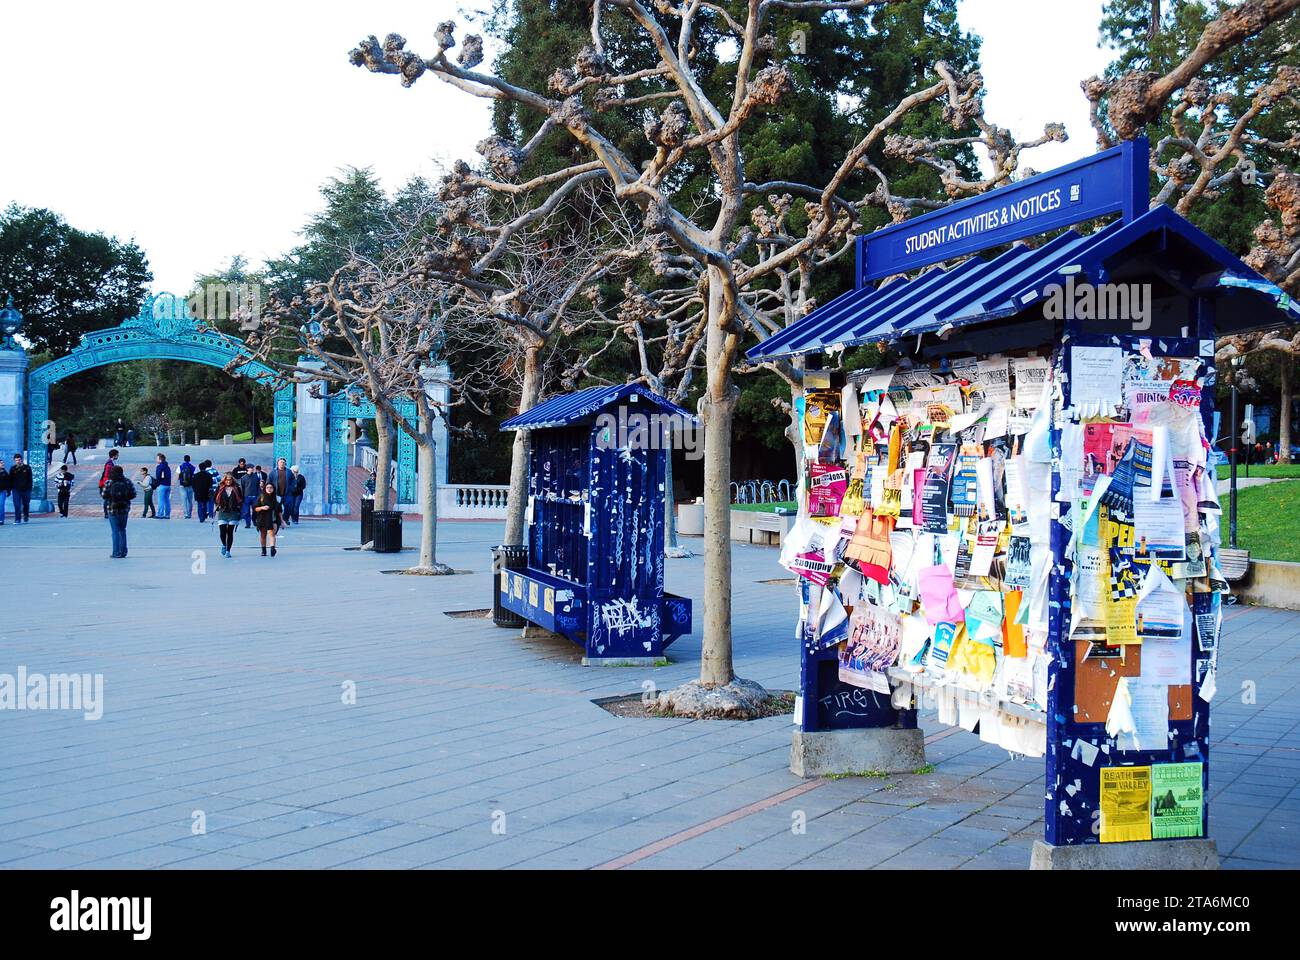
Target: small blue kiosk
{"points": [[595, 521], [1006, 306]]}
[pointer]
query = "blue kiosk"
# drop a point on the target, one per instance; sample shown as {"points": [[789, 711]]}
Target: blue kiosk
{"points": [[595, 524], [1064, 600]]}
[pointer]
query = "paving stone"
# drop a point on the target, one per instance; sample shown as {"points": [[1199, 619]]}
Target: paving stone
{"points": [[456, 720]]}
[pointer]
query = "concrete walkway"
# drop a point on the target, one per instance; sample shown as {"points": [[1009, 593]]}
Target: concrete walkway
{"points": [[229, 735]]}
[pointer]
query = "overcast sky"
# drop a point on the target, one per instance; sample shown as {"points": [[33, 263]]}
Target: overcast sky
{"points": [[205, 130]]}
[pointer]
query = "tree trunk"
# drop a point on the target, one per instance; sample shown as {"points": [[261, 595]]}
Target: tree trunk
{"points": [[384, 461], [1284, 411], [718, 407], [428, 496], [518, 497]]}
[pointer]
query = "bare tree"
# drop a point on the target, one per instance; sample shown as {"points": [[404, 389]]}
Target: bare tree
{"points": [[691, 125]]}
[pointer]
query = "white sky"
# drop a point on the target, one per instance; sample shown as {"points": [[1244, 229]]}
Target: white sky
{"points": [[205, 131]]}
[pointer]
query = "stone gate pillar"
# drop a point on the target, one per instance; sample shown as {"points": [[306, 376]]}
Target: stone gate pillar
{"points": [[13, 404], [312, 415]]}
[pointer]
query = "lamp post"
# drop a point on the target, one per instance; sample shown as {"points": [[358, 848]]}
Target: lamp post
{"points": [[1232, 453]]}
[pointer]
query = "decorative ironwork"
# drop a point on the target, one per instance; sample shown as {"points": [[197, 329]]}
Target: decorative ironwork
{"points": [[162, 330], [343, 408]]}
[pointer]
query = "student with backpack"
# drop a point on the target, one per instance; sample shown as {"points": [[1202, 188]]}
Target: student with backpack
{"points": [[63, 483], [118, 494], [185, 477], [106, 476], [145, 483]]}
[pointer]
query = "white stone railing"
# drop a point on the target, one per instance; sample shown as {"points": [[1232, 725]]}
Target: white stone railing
{"points": [[473, 501]]}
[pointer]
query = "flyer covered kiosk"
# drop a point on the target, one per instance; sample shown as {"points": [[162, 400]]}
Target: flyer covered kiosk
{"points": [[1017, 523], [597, 462]]}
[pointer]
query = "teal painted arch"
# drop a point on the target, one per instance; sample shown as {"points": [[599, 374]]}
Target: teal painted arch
{"points": [[159, 332]]}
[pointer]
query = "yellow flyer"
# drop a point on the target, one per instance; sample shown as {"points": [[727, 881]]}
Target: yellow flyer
{"points": [[1125, 804]]}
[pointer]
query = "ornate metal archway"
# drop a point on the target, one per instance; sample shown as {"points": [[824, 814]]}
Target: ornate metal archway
{"points": [[343, 409], [162, 330]]}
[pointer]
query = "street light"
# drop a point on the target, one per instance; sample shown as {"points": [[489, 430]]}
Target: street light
{"points": [[1232, 453], [11, 321]]}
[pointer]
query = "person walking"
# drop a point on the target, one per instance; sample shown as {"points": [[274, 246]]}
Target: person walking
{"points": [[118, 494], [229, 503], [6, 487], [63, 483], [20, 479], [120, 433], [106, 475], [239, 470], [250, 487], [295, 500], [201, 486], [282, 479], [163, 481], [130, 436], [185, 477], [268, 516], [145, 483], [70, 448]]}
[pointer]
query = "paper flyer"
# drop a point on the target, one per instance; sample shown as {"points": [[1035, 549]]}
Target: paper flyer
{"points": [[1096, 376], [1125, 804], [1177, 803]]}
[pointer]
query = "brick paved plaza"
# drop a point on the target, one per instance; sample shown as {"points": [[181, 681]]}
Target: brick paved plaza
{"points": [[224, 693]]}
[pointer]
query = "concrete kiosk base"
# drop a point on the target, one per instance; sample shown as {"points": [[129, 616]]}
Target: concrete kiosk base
{"points": [[870, 750], [1196, 853]]}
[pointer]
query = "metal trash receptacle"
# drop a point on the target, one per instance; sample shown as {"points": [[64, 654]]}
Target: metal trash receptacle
{"points": [[367, 520], [388, 531], [512, 557]]}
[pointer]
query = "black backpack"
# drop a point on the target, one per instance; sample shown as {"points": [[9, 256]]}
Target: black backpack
{"points": [[120, 492], [186, 476]]}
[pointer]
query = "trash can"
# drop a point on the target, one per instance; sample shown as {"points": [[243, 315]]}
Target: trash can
{"points": [[388, 531], [367, 520], [506, 558]]}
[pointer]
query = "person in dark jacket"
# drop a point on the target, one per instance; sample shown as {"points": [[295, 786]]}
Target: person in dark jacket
{"points": [[295, 499], [201, 483], [268, 516], [163, 481], [63, 483], [119, 433], [118, 494], [229, 504], [6, 487], [282, 479], [20, 479], [70, 448], [250, 487]]}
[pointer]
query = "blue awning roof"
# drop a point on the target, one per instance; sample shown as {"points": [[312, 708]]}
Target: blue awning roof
{"points": [[567, 408], [977, 291]]}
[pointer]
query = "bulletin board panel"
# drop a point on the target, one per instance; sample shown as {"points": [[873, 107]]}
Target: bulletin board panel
{"points": [[1083, 760]]}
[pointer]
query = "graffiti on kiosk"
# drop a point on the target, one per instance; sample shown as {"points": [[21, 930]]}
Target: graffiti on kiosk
{"points": [[622, 616]]}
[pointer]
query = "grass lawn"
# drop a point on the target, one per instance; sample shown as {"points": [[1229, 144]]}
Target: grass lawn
{"points": [[1268, 519], [1262, 470], [247, 435], [764, 507]]}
